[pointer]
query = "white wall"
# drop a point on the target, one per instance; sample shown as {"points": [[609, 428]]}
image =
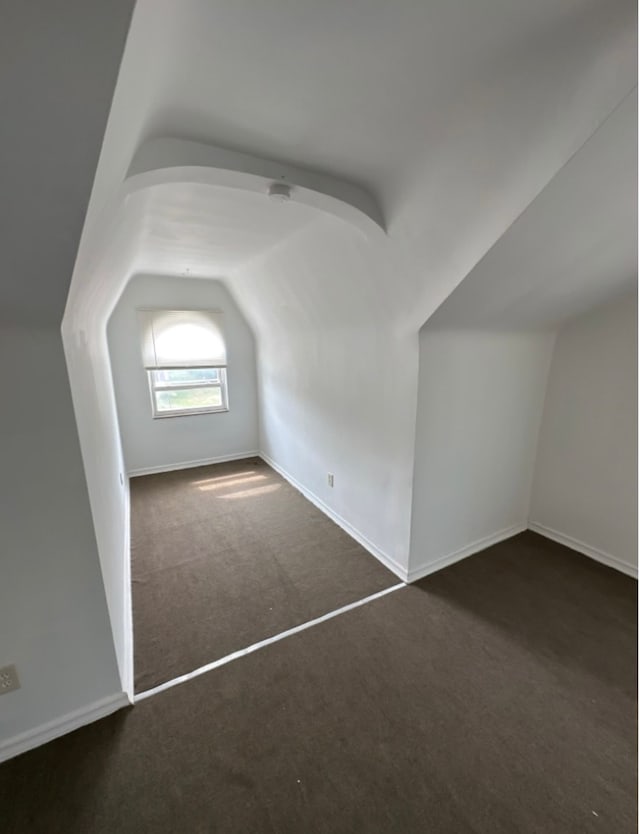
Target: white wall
{"points": [[95, 412], [585, 486], [480, 403], [85, 345], [53, 616], [148, 443], [337, 381]]}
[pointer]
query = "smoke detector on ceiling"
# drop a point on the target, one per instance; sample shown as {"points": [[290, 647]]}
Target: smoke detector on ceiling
{"points": [[280, 192]]}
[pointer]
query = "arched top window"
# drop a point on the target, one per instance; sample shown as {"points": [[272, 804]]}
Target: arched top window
{"points": [[182, 339], [185, 356]]}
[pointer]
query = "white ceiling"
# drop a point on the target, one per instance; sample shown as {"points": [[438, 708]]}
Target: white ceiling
{"points": [[573, 247], [353, 88], [455, 114], [200, 231]]}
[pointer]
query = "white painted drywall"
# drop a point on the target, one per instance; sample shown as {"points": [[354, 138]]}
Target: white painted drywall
{"points": [[480, 402], [449, 196], [53, 616], [95, 411], [171, 442], [59, 68], [85, 345], [506, 101], [337, 381], [574, 246], [337, 319], [585, 484]]}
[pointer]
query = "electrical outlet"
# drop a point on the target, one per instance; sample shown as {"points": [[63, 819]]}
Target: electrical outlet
{"points": [[8, 679], [330, 478]]}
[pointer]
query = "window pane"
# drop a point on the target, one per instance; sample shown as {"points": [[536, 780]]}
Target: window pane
{"points": [[189, 398], [186, 375]]}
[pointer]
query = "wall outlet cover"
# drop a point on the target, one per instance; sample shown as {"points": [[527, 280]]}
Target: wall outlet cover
{"points": [[8, 679]]}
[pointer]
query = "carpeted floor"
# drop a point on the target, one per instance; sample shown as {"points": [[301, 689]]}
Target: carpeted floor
{"points": [[224, 556], [497, 696]]}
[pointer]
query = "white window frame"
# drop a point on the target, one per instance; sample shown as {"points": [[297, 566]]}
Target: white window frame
{"points": [[182, 386]]}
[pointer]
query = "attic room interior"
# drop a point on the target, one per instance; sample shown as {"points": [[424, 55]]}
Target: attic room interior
{"points": [[319, 341]]}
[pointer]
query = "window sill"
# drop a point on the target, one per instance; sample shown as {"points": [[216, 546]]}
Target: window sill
{"points": [[192, 412]]}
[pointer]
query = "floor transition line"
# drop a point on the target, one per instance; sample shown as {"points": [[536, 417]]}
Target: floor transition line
{"points": [[256, 646]]}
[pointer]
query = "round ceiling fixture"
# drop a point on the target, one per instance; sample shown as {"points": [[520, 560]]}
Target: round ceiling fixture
{"points": [[280, 192]]}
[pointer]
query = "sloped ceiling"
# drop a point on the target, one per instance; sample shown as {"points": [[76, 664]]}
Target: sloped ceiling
{"points": [[59, 65], [573, 247], [453, 114]]}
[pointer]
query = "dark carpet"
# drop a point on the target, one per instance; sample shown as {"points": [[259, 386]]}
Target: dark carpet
{"points": [[224, 556], [495, 697]]}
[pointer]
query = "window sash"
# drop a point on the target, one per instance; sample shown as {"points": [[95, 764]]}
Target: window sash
{"points": [[159, 386], [183, 386]]}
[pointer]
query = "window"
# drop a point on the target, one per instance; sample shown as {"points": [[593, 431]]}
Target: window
{"points": [[184, 354], [188, 391]]}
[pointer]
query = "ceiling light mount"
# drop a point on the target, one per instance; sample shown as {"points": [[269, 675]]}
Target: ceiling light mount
{"points": [[280, 192]]}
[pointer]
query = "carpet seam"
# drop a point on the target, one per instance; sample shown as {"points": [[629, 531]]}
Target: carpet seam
{"points": [[261, 644]]}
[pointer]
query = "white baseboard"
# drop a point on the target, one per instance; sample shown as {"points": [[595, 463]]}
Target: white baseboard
{"points": [[189, 464], [468, 550], [60, 726], [386, 560], [585, 549]]}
